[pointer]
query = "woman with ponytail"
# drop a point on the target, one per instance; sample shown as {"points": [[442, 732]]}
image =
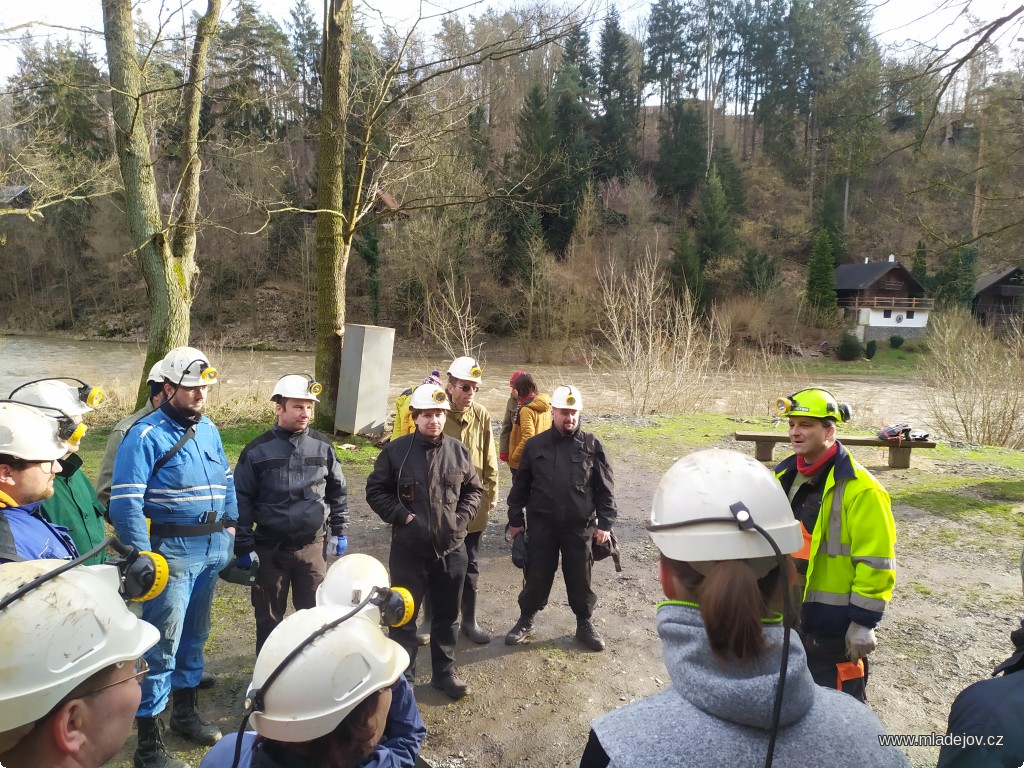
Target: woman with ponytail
{"points": [[740, 693]]}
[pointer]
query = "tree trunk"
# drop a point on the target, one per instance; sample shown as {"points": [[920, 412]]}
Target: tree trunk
{"points": [[165, 286], [169, 273], [332, 246], [979, 199]]}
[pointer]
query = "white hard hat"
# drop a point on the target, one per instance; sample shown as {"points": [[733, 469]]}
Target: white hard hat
{"points": [[56, 394], [59, 634], [188, 367], [706, 484], [466, 368], [567, 397], [350, 580], [28, 434], [156, 373], [428, 397], [300, 386], [328, 679]]}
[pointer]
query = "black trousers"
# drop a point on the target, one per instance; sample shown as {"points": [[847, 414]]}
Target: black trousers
{"points": [[547, 542], [824, 654], [442, 579]]}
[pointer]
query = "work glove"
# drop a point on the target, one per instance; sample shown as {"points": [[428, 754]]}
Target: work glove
{"points": [[336, 545], [860, 641], [503, 457], [247, 561]]}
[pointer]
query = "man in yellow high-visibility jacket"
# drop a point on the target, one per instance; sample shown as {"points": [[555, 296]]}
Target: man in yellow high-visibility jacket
{"points": [[848, 557]]}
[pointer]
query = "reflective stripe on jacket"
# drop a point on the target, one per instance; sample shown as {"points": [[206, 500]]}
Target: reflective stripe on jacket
{"points": [[852, 568]]}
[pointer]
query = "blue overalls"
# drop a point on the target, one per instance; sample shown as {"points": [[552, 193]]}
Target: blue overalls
{"points": [[189, 500]]}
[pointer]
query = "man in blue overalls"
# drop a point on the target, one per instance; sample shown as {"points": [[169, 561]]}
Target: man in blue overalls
{"points": [[172, 473]]}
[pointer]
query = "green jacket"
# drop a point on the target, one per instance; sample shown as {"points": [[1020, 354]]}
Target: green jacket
{"points": [[75, 506], [851, 570], [472, 427]]}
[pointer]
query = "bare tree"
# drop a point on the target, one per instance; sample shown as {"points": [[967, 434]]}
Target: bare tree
{"points": [[166, 249], [406, 113]]}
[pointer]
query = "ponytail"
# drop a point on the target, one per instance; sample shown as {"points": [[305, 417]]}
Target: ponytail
{"points": [[732, 602]]}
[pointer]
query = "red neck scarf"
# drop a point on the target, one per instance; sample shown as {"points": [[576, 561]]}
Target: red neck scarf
{"points": [[808, 470]]}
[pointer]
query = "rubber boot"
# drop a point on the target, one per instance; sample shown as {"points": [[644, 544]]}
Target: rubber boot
{"points": [[423, 636], [151, 752], [522, 631], [185, 720], [206, 681], [470, 628]]}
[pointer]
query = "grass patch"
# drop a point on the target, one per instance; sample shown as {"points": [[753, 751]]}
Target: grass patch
{"points": [[886, 362], [920, 588], [668, 437]]}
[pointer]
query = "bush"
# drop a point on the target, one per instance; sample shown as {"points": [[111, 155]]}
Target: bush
{"points": [[870, 349], [849, 348], [895, 341]]}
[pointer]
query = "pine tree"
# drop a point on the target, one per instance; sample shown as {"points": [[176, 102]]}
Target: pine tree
{"points": [[732, 180], [618, 92], [680, 151], [686, 273], [716, 234], [759, 272], [820, 291], [306, 39], [919, 267], [830, 219]]}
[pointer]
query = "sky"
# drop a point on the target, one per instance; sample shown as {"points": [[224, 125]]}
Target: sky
{"points": [[895, 21]]}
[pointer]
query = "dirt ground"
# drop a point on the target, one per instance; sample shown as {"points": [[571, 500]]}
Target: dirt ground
{"points": [[957, 598]]}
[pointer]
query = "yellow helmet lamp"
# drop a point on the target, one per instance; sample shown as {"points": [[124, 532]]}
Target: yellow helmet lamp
{"points": [[814, 402]]}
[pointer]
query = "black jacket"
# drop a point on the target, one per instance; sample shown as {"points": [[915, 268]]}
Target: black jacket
{"points": [[436, 482], [291, 488], [990, 710], [565, 479]]}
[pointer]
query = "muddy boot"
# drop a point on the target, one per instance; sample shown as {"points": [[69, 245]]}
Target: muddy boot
{"points": [[423, 636], [587, 635], [151, 752], [470, 628], [451, 685], [522, 631], [185, 720]]}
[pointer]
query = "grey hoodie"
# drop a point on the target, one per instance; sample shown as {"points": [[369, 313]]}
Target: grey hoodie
{"points": [[719, 714]]}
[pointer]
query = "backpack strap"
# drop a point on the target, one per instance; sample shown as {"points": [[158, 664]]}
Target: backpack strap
{"points": [[190, 432]]}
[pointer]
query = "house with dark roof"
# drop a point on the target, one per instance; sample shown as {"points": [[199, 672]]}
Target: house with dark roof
{"points": [[997, 297], [882, 298]]}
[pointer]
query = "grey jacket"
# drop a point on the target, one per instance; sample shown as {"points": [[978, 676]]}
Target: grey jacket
{"points": [[106, 474], [291, 488], [717, 714]]}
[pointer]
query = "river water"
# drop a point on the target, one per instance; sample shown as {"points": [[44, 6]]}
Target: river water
{"points": [[116, 367]]}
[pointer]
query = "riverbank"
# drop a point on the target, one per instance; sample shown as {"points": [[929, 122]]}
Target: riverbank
{"points": [[960, 526]]}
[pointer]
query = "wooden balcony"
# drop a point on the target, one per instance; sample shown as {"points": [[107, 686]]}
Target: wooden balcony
{"points": [[886, 302]]}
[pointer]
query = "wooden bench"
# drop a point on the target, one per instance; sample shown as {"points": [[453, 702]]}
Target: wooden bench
{"points": [[899, 453]]}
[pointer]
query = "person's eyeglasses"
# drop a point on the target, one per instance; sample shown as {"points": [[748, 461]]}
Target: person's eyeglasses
{"points": [[141, 669], [469, 387], [49, 467]]}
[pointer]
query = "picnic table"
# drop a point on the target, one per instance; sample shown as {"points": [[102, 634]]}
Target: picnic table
{"points": [[899, 451]]}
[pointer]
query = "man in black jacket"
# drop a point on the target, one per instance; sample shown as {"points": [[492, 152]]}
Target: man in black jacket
{"points": [[564, 480], [292, 506], [425, 486]]}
